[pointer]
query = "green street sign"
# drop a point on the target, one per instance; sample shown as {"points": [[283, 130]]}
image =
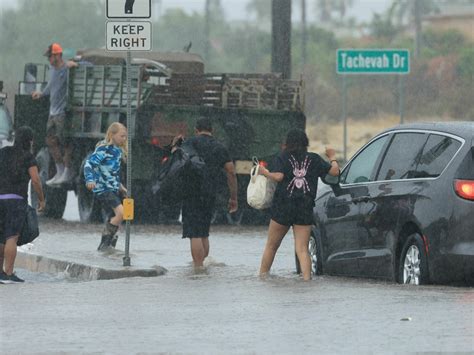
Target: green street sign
{"points": [[373, 61]]}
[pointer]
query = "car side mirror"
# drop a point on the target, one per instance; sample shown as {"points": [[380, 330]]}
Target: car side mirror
{"points": [[331, 180]]}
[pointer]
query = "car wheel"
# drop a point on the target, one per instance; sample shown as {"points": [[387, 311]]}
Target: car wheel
{"points": [[315, 255], [413, 267]]}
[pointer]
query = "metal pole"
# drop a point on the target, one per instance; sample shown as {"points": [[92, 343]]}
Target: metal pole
{"points": [[344, 113], [126, 258], [401, 100]]}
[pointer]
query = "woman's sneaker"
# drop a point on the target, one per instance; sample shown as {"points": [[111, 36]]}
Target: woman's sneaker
{"points": [[15, 279], [4, 279], [10, 279]]}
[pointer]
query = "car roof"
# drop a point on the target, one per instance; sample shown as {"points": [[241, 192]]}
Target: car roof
{"points": [[464, 129]]}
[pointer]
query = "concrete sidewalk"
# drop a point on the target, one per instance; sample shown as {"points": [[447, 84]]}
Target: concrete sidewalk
{"points": [[71, 248]]}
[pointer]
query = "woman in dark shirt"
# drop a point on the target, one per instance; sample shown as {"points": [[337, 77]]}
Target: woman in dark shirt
{"points": [[17, 167], [297, 171]]}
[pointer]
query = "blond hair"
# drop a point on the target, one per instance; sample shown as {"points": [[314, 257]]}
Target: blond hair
{"points": [[114, 128]]}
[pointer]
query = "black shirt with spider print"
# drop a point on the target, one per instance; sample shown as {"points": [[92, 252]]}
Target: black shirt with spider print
{"points": [[301, 172]]}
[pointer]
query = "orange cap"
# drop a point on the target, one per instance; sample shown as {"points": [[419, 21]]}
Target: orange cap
{"points": [[53, 48]]}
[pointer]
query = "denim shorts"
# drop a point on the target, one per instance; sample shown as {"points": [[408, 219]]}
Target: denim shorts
{"points": [[12, 218]]}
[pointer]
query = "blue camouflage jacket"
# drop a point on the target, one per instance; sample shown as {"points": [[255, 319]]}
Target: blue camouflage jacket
{"points": [[103, 168]]}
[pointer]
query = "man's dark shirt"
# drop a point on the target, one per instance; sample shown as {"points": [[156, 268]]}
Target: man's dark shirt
{"points": [[214, 154]]}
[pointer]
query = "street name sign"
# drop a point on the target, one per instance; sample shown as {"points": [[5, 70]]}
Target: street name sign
{"points": [[128, 9], [128, 35], [373, 61]]}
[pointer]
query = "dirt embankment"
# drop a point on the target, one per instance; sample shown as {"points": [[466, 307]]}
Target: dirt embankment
{"points": [[359, 132]]}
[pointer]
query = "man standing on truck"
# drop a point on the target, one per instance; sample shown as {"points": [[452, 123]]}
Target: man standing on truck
{"points": [[198, 207], [56, 88]]}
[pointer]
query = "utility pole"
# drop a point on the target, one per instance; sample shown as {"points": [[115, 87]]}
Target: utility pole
{"points": [[417, 13], [281, 37], [304, 33], [207, 30]]}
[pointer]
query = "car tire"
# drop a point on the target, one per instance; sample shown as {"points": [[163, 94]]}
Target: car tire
{"points": [[315, 255], [413, 267]]}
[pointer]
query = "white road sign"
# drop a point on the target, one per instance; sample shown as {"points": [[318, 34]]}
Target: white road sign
{"points": [[126, 35], [128, 8]]}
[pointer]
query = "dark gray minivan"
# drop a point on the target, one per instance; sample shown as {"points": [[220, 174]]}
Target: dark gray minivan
{"points": [[403, 209]]}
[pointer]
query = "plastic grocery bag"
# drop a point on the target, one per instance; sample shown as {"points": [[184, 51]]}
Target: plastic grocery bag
{"points": [[260, 189]]}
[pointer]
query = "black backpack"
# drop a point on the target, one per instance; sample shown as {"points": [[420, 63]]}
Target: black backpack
{"points": [[182, 175]]}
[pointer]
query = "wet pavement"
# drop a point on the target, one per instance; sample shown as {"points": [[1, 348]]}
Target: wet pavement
{"points": [[224, 308]]}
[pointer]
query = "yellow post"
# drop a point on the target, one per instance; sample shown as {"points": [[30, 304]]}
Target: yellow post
{"points": [[128, 209]]}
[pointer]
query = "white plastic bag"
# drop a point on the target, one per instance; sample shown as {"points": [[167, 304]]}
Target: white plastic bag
{"points": [[260, 190]]}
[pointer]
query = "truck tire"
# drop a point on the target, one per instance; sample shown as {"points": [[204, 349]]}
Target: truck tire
{"points": [[55, 198]]}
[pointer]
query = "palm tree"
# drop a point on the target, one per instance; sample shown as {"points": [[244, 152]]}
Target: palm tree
{"points": [[326, 8], [261, 8], [412, 10], [304, 34], [213, 9]]}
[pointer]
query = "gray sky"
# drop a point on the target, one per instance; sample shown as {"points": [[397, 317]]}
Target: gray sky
{"points": [[362, 10], [235, 9]]}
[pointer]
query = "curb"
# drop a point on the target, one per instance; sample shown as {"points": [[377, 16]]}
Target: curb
{"points": [[38, 263]]}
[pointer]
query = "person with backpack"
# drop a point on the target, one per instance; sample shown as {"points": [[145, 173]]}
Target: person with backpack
{"points": [[199, 199], [102, 177], [296, 171], [17, 167]]}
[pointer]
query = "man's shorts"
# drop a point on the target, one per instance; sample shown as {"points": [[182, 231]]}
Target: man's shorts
{"points": [[197, 215], [12, 218], [55, 126], [293, 212], [109, 200]]}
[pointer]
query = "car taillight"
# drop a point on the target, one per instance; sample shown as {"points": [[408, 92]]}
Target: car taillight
{"points": [[465, 189], [155, 141]]}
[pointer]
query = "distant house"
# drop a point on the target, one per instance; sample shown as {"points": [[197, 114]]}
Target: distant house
{"points": [[453, 18]]}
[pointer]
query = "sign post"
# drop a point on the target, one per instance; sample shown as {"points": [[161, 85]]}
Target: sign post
{"points": [[129, 35], [372, 61]]}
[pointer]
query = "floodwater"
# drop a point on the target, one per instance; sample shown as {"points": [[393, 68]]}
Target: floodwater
{"points": [[226, 307]]}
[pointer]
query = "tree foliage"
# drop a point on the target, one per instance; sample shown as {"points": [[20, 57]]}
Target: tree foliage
{"points": [[25, 33]]}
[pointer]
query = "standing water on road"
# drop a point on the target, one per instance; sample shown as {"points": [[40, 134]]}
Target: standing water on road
{"points": [[226, 307]]}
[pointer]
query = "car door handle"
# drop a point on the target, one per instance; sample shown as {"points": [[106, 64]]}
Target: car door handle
{"points": [[361, 199]]}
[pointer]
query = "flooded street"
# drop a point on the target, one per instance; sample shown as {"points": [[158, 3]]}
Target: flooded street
{"points": [[226, 308]]}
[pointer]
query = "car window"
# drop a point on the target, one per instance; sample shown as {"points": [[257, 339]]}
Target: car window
{"points": [[437, 153], [362, 166], [402, 156]]}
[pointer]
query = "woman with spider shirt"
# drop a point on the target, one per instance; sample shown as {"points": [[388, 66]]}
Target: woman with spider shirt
{"points": [[296, 171]]}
